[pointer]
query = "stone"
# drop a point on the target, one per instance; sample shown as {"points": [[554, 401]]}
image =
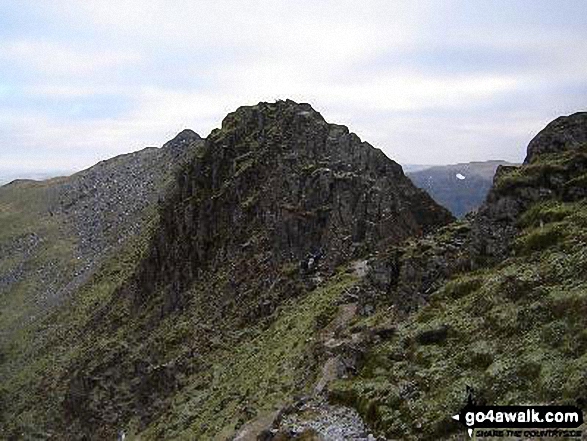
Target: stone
{"points": [[564, 133], [433, 336]]}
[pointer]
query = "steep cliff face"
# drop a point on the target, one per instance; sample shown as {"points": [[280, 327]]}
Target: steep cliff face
{"points": [[273, 202], [278, 185]]}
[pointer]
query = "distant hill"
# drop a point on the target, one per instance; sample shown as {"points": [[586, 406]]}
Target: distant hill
{"points": [[7, 176], [412, 168], [459, 187]]}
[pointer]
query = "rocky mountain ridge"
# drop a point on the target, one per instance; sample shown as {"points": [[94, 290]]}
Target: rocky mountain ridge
{"points": [[278, 184], [272, 204], [269, 207], [295, 285], [57, 233]]}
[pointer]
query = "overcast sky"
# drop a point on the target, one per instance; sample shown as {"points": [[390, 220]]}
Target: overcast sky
{"points": [[426, 81]]}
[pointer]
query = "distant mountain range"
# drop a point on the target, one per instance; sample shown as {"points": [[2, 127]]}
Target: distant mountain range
{"points": [[461, 188]]}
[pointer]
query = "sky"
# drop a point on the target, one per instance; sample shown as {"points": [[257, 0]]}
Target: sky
{"points": [[428, 82]]}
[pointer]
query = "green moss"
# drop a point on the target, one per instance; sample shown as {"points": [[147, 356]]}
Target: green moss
{"points": [[546, 212], [542, 170], [243, 165], [579, 181], [516, 335], [259, 374], [575, 386], [539, 239], [249, 202], [462, 286]]}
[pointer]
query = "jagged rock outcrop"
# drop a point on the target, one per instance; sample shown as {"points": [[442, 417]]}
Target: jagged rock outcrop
{"points": [[564, 133], [514, 189], [406, 276], [279, 185]]}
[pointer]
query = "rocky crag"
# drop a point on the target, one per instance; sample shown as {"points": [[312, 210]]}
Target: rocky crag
{"points": [[494, 302], [275, 186]]}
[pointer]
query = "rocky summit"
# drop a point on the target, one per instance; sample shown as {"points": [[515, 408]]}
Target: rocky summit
{"points": [[278, 186], [282, 279], [560, 135]]}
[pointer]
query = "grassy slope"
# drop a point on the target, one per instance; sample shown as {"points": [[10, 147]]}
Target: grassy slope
{"points": [[263, 367], [38, 358], [516, 331], [35, 243], [263, 371], [32, 240]]}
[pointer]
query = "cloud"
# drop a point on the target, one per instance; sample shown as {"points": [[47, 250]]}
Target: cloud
{"points": [[425, 81], [52, 59]]}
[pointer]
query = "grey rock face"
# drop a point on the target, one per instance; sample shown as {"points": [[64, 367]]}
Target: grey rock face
{"points": [[104, 204], [323, 421], [564, 133], [278, 181]]}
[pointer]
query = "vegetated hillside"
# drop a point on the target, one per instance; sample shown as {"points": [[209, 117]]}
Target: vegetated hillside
{"points": [[461, 188], [54, 234], [220, 313], [508, 321]]}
